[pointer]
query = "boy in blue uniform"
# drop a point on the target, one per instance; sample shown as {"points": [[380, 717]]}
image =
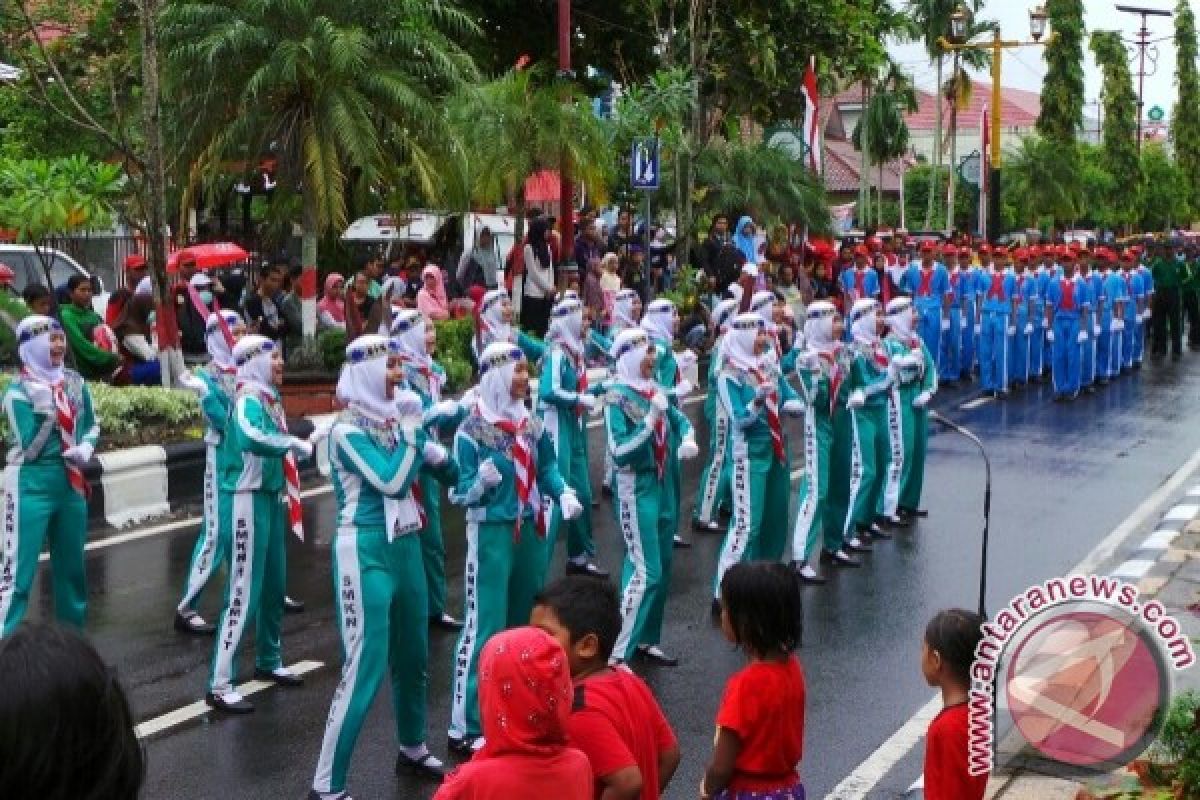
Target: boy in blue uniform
{"points": [[1068, 323], [1112, 321], [1022, 338], [1090, 271], [860, 281], [928, 284], [958, 263], [997, 308], [1135, 307]]}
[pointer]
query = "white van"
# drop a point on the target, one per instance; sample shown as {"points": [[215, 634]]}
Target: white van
{"points": [[27, 268], [433, 230]]}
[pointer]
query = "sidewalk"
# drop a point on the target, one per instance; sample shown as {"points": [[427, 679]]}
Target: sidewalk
{"points": [[1165, 567]]}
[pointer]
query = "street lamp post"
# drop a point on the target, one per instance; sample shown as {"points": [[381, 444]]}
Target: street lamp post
{"points": [[1142, 42], [958, 30]]}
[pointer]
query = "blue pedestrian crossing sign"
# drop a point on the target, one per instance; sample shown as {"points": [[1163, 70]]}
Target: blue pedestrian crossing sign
{"points": [[643, 164]]}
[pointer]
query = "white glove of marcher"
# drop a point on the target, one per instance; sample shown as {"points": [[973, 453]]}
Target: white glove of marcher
{"points": [[1082, 337], [1012, 330], [489, 476], [470, 397], [762, 391], [1118, 325], [1050, 335], [569, 504], [1029, 329], [41, 397], [301, 448], [586, 402], [857, 399], [80, 454], [922, 400], [433, 453], [684, 388], [688, 449], [1146, 315], [321, 431], [445, 408], [978, 329], [1095, 330], [189, 381], [794, 407], [410, 409], [945, 323], [685, 359], [807, 360], [659, 403]]}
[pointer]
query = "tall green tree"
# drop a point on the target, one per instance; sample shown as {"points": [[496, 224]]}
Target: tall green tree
{"points": [[1185, 118], [334, 89], [1062, 96], [1120, 128], [1164, 203], [886, 133], [1047, 182]]}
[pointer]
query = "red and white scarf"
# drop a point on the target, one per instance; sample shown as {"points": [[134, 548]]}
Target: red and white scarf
{"points": [[65, 420]]}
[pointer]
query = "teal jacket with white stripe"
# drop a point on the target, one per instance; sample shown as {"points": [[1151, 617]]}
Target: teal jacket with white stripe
{"points": [[369, 462], [35, 436], [630, 438], [251, 455]]}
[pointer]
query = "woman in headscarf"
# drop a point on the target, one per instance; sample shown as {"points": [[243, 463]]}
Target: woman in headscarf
{"points": [[195, 301], [431, 300], [525, 694], [916, 384], [860, 445], [480, 265], [493, 324], [258, 458], [627, 313], [216, 386], [564, 400], [754, 394], [822, 369], [413, 340], [53, 433], [506, 466], [746, 241], [642, 425], [713, 491], [331, 311], [377, 448], [139, 356], [538, 287]]}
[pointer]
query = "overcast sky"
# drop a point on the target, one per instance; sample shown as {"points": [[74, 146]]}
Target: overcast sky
{"points": [[1025, 68]]}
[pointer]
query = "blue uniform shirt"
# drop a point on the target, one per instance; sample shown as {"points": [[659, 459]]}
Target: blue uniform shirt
{"points": [[927, 287], [998, 289]]}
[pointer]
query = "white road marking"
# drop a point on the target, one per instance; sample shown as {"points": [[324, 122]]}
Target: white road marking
{"points": [[1159, 540], [976, 403], [869, 773], [1183, 513], [200, 708], [1133, 569], [1194, 491]]}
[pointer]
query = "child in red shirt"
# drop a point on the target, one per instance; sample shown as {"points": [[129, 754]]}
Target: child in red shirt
{"points": [[946, 657], [614, 719], [524, 702], [760, 724]]}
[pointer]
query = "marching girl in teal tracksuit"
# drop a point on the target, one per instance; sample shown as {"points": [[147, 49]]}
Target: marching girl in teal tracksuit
{"points": [[414, 340], [659, 322], [861, 444], [494, 324], [754, 394], [916, 382], [259, 473], [713, 491], [507, 466], [626, 314], [822, 369], [564, 400], [215, 385], [641, 424], [376, 451], [53, 433]]}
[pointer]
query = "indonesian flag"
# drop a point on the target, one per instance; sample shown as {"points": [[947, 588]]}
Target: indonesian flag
{"points": [[812, 138], [985, 142]]}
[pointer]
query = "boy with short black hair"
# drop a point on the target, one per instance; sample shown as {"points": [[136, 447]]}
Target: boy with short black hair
{"points": [[615, 719]]}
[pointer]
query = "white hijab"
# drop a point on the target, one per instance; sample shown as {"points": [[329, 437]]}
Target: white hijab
{"points": [[629, 352], [33, 335], [723, 313], [863, 321], [219, 348], [566, 324], [363, 382], [252, 354], [763, 304], [491, 317], [623, 309], [740, 342], [497, 364], [408, 336], [660, 319], [900, 317], [818, 327]]}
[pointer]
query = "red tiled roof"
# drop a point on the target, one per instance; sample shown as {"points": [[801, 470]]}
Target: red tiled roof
{"points": [[1019, 109], [843, 165]]}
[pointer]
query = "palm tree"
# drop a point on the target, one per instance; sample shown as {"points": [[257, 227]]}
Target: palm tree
{"points": [[331, 88], [506, 129], [1037, 173], [886, 132]]}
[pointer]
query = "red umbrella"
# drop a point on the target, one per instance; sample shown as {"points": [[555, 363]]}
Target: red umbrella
{"points": [[209, 256]]}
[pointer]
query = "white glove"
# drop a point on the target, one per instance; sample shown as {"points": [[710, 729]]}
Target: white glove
{"points": [[301, 448], [569, 504], [1029, 329], [320, 432], [1082, 337], [1050, 335], [795, 407], [410, 409], [945, 323], [1012, 330], [489, 476], [189, 381], [446, 408], [684, 388], [978, 329], [688, 449], [807, 360], [80, 454], [433, 453], [685, 359], [1118, 325], [1146, 315], [40, 396], [470, 397], [586, 402], [922, 400], [762, 391], [856, 399], [659, 402]]}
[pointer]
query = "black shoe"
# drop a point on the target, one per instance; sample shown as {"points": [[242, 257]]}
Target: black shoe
{"points": [[700, 526], [899, 520], [427, 766], [313, 794], [587, 568], [242, 706], [950, 384], [1089, 389], [856, 545], [292, 606], [193, 623], [725, 514], [445, 622], [914, 512], [715, 608], [285, 679], [1002, 394], [462, 747], [876, 532], [606, 490], [655, 655], [679, 543], [808, 575], [841, 558]]}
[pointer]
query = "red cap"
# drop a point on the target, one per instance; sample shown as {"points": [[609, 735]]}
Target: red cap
{"points": [[964, 251], [135, 261], [927, 246], [861, 250], [7, 276], [985, 248], [1067, 254], [874, 244], [1035, 251], [1128, 256], [1076, 246]]}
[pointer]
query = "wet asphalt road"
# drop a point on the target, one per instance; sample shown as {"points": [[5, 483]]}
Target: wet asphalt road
{"points": [[1064, 476]]}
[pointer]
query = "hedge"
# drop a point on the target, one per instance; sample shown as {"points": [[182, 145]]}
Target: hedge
{"points": [[453, 351]]}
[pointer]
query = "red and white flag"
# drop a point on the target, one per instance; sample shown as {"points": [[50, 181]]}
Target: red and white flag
{"points": [[985, 164], [812, 134]]}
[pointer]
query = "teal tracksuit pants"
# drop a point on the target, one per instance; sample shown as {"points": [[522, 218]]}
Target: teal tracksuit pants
{"points": [[40, 507], [257, 565], [383, 606], [569, 432], [212, 546], [714, 481], [644, 521], [760, 486], [814, 490]]}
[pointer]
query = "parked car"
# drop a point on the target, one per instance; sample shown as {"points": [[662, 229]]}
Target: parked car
{"points": [[28, 268]]}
